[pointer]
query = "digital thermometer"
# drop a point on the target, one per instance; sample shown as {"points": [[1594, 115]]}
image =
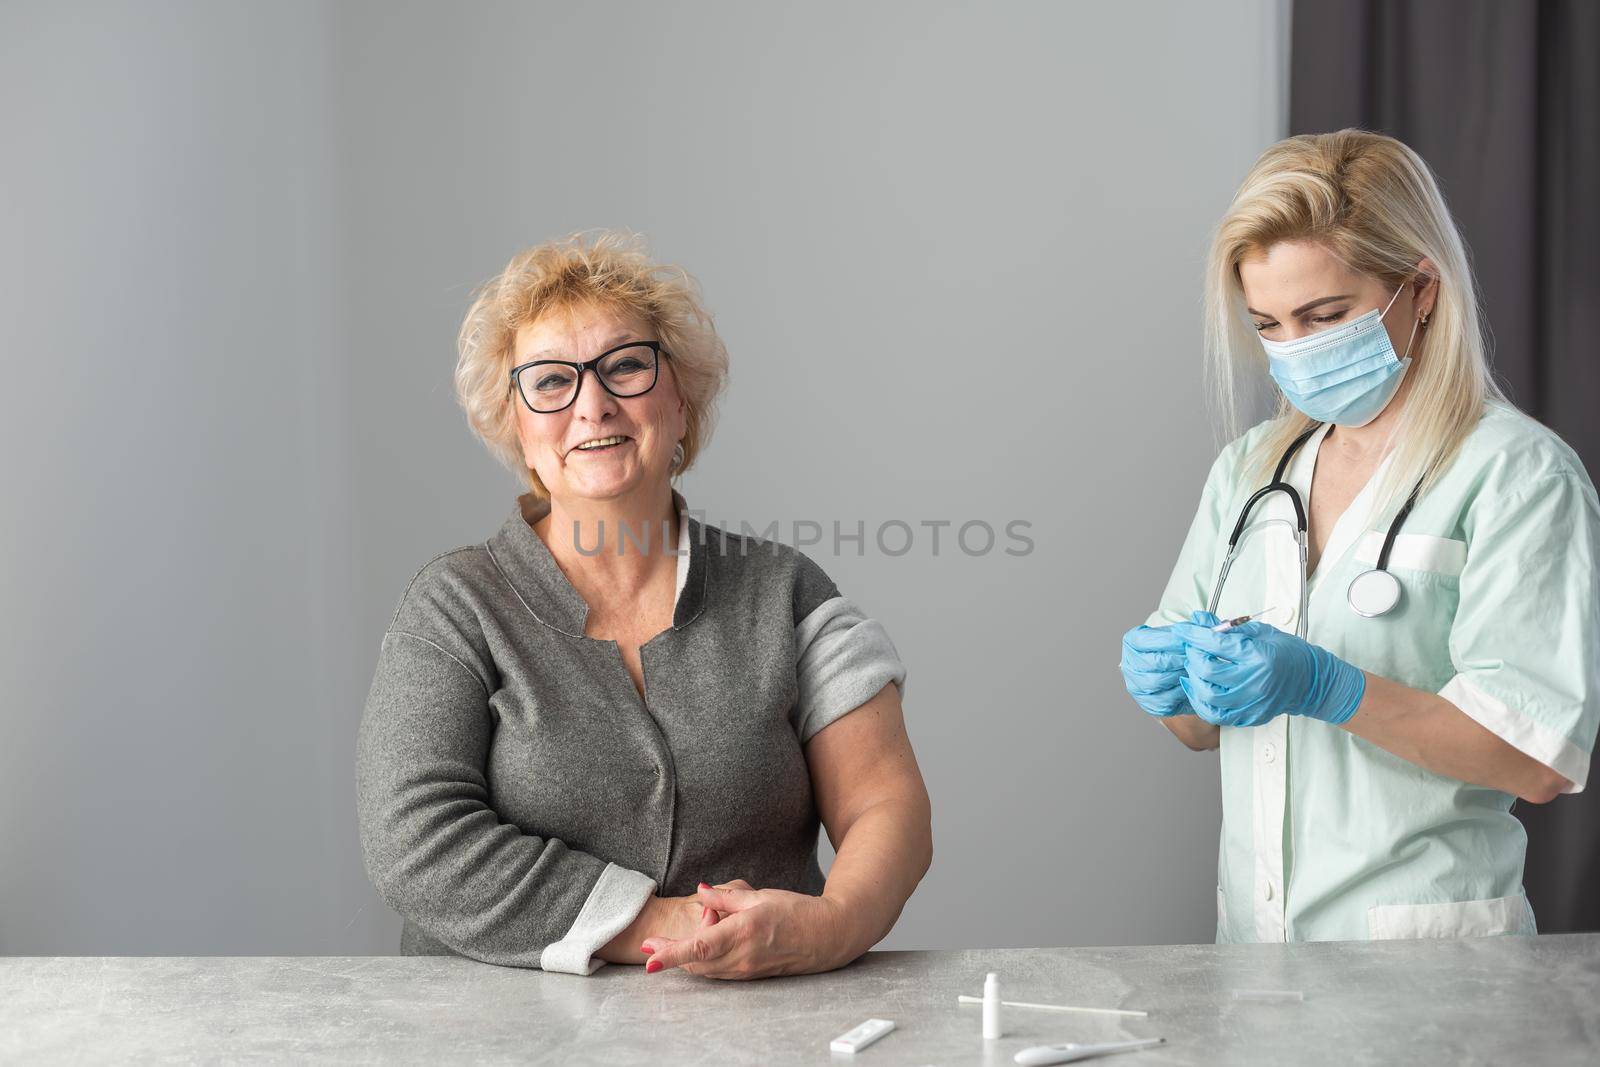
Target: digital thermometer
{"points": [[1040, 1055]]}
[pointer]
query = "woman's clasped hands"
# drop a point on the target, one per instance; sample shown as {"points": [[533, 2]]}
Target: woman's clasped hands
{"points": [[1243, 676], [746, 932]]}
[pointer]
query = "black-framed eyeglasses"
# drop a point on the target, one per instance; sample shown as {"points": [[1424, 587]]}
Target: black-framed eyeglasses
{"points": [[550, 385]]}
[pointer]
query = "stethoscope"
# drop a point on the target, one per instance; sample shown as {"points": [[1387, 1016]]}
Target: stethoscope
{"points": [[1371, 593]]}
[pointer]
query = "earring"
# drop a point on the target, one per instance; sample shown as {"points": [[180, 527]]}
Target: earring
{"points": [[677, 457], [1424, 321]]}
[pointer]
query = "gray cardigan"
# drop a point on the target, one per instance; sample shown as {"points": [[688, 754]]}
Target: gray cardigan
{"points": [[519, 802]]}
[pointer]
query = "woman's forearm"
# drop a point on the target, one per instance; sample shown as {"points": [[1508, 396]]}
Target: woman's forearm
{"points": [[884, 854], [1426, 729]]}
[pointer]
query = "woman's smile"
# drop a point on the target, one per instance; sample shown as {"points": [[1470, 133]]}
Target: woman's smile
{"points": [[601, 446]]}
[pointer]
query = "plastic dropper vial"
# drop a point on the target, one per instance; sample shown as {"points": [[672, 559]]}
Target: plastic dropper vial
{"points": [[991, 1007]]}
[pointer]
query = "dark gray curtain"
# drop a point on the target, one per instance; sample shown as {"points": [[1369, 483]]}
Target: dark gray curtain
{"points": [[1502, 98]]}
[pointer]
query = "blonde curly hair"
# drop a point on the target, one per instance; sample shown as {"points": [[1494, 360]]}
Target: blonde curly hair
{"points": [[605, 269]]}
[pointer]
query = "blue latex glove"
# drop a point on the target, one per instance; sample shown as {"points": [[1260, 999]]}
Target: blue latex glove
{"points": [[1152, 668], [1253, 673]]}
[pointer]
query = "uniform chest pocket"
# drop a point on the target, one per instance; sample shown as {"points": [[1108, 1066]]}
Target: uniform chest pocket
{"points": [[1428, 569], [1439, 557], [1410, 643]]}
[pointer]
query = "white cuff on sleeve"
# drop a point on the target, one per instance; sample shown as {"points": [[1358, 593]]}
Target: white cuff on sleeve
{"points": [[1520, 732], [614, 902]]}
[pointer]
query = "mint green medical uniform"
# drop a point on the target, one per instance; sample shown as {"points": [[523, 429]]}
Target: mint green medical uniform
{"points": [[1326, 836]]}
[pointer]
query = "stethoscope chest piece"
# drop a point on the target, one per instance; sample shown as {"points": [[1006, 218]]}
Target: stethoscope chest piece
{"points": [[1373, 593]]}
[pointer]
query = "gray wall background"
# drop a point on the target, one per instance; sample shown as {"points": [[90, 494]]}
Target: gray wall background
{"points": [[954, 251]]}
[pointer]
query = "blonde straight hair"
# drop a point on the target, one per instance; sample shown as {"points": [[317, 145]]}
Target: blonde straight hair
{"points": [[1374, 204]]}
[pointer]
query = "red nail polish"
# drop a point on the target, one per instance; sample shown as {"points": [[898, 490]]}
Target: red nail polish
{"points": [[646, 949], [652, 967], [704, 886]]}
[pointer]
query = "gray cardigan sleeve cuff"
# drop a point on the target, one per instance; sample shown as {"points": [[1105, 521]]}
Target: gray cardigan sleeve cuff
{"points": [[614, 902], [844, 658]]}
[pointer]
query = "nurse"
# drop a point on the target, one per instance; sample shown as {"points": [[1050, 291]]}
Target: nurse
{"points": [[1378, 723]]}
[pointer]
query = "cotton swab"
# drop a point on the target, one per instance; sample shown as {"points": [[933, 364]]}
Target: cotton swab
{"points": [[964, 999]]}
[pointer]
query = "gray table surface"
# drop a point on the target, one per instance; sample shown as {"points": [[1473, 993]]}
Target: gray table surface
{"points": [[1492, 1000]]}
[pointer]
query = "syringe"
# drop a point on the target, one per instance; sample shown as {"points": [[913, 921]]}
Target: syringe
{"points": [[1224, 627]]}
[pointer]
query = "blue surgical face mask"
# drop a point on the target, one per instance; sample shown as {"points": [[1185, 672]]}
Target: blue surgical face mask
{"points": [[1346, 374]]}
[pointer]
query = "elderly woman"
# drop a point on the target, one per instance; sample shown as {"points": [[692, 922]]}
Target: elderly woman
{"points": [[608, 732]]}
